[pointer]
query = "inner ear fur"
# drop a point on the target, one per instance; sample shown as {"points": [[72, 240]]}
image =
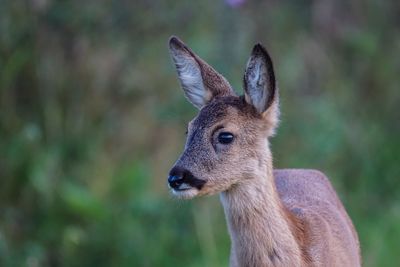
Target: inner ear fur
{"points": [[260, 87], [259, 79]]}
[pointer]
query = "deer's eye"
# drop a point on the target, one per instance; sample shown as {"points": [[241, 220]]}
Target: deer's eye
{"points": [[225, 138]]}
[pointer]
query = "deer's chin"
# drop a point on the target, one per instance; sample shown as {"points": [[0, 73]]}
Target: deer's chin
{"points": [[186, 193]]}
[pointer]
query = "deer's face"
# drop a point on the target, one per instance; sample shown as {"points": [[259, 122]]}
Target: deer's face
{"points": [[227, 141]]}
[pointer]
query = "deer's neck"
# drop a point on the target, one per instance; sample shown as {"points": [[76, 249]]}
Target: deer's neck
{"points": [[261, 229]]}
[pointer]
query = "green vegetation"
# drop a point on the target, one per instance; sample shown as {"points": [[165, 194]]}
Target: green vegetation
{"points": [[92, 118]]}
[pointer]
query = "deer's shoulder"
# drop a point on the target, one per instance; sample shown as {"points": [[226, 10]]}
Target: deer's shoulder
{"points": [[308, 191], [309, 195], [304, 186]]}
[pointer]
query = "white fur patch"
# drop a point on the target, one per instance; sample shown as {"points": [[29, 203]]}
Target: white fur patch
{"points": [[189, 192]]}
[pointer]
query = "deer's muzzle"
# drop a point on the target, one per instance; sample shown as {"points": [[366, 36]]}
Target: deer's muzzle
{"points": [[181, 179]]}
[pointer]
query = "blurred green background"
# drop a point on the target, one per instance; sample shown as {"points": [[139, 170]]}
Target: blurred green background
{"points": [[92, 117]]}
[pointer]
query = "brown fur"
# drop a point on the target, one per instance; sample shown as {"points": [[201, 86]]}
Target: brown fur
{"points": [[275, 218]]}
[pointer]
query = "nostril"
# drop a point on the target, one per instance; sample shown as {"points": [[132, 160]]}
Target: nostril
{"points": [[175, 181], [174, 178]]}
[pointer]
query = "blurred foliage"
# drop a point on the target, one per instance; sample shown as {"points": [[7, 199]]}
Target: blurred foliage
{"points": [[92, 118]]}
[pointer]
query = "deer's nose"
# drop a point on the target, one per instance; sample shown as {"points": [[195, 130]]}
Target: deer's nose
{"points": [[176, 180], [182, 179]]}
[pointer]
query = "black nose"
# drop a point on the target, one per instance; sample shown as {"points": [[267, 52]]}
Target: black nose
{"points": [[176, 177], [175, 181], [179, 175]]}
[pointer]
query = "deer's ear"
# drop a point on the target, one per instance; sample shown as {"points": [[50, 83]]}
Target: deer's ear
{"points": [[199, 81], [259, 80], [260, 86]]}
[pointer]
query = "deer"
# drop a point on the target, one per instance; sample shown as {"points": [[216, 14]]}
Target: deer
{"points": [[283, 217]]}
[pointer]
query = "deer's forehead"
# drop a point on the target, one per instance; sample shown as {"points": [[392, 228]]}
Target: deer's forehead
{"points": [[233, 109]]}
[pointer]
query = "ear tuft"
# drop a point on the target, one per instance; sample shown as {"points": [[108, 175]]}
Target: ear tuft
{"points": [[173, 40], [176, 44], [258, 49]]}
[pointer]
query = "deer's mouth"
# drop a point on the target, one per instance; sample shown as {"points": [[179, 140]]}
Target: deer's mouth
{"points": [[192, 183], [185, 191], [183, 187]]}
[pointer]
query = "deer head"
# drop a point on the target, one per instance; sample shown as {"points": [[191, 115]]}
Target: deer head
{"points": [[227, 142]]}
